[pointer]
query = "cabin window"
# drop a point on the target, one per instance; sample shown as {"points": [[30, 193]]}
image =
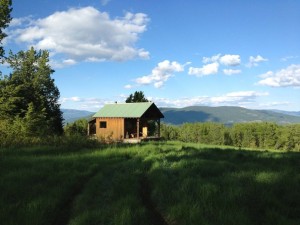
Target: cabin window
{"points": [[103, 124]]}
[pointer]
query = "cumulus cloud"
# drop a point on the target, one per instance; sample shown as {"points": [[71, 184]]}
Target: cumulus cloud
{"points": [[161, 73], [227, 60], [230, 60], [84, 34], [288, 77], [231, 71], [212, 59], [213, 63], [206, 70], [254, 61]]}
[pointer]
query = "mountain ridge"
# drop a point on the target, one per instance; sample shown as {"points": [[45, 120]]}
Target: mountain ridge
{"points": [[71, 115], [223, 114], [226, 115]]}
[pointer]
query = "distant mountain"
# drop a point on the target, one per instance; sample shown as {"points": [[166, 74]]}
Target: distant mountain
{"points": [[287, 112], [225, 114], [70, 115]]}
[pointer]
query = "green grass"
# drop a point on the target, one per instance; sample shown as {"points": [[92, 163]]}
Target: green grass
{"points": [[188, 184]]}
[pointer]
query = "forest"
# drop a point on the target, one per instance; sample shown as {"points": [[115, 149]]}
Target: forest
{"points": [[254, 135], [259, 135]]}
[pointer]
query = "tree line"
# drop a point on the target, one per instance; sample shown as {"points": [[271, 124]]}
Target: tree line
{"points": [[257, 135], [260, 135]]}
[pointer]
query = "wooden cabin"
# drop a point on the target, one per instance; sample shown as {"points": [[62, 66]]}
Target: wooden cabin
{"points": [[127, 121]]}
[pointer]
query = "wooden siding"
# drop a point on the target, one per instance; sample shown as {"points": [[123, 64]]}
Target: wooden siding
{"points": [[114, 128]]}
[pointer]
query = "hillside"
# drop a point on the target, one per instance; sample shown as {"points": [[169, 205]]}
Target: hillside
{"points": [[291, 113], [70, 115], [224, 114]]}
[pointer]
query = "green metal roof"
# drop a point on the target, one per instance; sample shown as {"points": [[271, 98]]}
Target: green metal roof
{"points": [[125, 110]]}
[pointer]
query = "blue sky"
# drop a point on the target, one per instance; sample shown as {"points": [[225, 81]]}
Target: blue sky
{"points": [[179, 53]]}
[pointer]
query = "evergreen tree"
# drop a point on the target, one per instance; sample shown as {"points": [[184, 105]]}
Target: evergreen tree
{"points": [[29, 92], [34, 122], [138, 96], [5, 10]]}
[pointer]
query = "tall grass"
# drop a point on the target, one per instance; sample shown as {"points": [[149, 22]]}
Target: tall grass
{"points": [[64, 142], [214, 186], [188, 184]]}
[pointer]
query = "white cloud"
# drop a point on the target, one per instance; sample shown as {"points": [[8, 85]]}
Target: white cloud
{"points": [[274, 104], [231, 71], [227, 60], [267, 74], [70, 99], [15, 22], [237, 97], [183, 102], [288, 77], [82, 34], [128, 86], [206, 70], [253, 61], [212, 59], [230, 60], [161, 73], [212, 65], [69, 61], [91, 104], [284, 59], [143, 54], [63, 63], [241, 98]]}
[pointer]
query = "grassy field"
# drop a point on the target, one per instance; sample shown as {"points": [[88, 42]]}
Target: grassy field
{"points": [[152, 183]]}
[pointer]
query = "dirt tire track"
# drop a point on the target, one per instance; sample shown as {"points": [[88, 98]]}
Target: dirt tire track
{"points": [[155, 216], [64, 209]]}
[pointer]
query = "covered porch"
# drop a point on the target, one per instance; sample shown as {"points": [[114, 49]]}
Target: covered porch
{"points": [[141, 128]]}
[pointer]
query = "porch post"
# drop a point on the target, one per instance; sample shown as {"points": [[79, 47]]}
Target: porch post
{"points": [[138, 128], [88, 129]]}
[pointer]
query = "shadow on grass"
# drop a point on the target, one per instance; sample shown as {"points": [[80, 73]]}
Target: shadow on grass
{"points": [[153, 183], [49, 188], [216, 186]]}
